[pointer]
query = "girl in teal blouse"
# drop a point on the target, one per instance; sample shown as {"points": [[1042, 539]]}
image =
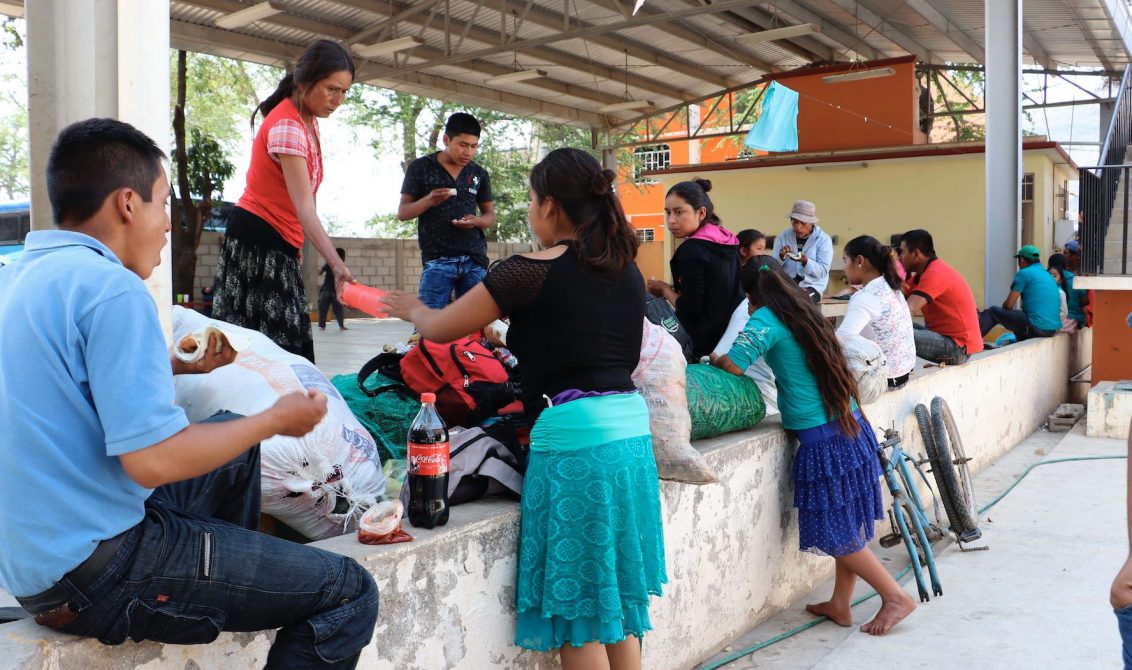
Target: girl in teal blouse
{"points": [[836, 471]]}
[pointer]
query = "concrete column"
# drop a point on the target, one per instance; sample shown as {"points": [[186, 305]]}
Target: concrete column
{"points": [[1004, 145], [90, 58]]}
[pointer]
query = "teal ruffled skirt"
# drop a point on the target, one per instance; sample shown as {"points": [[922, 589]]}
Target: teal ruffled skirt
{"points": [[591, 544]]}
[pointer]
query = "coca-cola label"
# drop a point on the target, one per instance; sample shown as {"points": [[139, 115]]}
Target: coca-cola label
{"points": [[429, 460]]}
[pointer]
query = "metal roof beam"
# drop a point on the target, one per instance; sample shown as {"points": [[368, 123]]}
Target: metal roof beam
{"points": [[888, 30], [554, 56], [830, 29], [689, 33], [597, 34], [754, 19], [1035, 49], [322, 28], [1075, 9], [205, 39], [482, 67], [944, 24]]}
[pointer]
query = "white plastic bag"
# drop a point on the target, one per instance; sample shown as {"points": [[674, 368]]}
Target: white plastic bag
{"points": [[317, 484], [868, 364], [660, 376]]}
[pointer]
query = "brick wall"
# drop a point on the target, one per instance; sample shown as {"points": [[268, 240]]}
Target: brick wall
{"points": [[374, 262]]}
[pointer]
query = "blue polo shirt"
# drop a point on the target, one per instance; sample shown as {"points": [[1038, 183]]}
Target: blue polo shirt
{"points": [[84, 378], [1040, 299]]}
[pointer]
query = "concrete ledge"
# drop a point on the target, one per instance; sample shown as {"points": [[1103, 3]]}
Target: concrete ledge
{"points": [[1110, 409], [731, 548]]}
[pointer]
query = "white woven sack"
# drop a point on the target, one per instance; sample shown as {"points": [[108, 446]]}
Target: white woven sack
{"points": [[318, 484], [868, 364], [660, 376]]}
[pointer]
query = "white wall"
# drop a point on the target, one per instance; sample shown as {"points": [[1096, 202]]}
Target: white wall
{"points": [[731, 548]]}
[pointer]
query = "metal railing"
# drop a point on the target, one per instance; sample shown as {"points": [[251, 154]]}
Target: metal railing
{"points": [[1100, 186]]}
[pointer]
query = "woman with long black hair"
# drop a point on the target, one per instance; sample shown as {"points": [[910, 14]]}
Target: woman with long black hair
{"points": [[259, 284], [591, 546], [836, 472]]}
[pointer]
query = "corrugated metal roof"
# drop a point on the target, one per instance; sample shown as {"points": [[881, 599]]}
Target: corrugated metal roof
{"points": [[673, 51]]}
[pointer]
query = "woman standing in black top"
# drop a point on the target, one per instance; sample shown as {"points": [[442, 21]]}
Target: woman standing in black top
{"points": [[577, 314], [705, 268]]}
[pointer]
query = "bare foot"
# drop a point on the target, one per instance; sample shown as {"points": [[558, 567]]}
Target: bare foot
{"points": [[841, 616], [891, 613]]}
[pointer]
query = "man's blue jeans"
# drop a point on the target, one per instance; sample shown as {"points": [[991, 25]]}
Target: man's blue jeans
{"points": [[1014, 320], [195, 565], [1124, 622], [932, 346], [443, 275]]}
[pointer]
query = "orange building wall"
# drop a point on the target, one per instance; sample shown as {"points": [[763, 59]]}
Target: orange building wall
{"points": [[867, 110], [862, 114], [1112, 340]]}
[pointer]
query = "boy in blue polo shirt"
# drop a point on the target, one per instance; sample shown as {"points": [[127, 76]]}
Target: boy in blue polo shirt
{"points": [[1040, 315], [120, 519]]}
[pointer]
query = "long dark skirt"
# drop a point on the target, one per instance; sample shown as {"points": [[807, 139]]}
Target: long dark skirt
{"points": [[259, 285]]}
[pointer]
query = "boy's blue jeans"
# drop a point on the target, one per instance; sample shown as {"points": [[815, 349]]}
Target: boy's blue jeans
{"points": [[443, 275], [195, 565]]}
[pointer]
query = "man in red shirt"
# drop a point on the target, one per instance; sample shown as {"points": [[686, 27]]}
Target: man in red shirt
{"points": [[935, 289]]}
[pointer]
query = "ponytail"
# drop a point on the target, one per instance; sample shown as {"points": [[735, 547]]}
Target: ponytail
{"points": [[284, 90], [879, 256], [584, 191]]}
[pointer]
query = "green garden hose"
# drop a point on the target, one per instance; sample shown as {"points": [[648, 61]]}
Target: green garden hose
{"points": [[734, 656]]}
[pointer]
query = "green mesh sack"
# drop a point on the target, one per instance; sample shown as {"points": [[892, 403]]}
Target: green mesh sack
{"points": [[387, 416], [720, 402]]}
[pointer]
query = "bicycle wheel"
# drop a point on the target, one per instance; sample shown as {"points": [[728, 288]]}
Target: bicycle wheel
{"points": [[949, 466]]}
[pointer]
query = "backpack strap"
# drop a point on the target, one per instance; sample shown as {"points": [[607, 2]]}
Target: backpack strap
{"points": [[383, 363]]}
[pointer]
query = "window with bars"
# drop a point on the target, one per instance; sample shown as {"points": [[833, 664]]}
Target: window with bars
{"points": [[1028, 187], [652, 157], [646, 235]]}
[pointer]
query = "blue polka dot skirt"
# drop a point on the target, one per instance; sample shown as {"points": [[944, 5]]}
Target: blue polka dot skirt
{"points": [[591, 546], [837, 488]]}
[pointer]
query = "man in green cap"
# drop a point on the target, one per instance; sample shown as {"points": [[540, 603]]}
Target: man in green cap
{"points": [[1040, 315]]}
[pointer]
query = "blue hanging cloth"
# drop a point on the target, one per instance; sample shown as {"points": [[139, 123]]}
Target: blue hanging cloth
{"points": [[777, 127]]}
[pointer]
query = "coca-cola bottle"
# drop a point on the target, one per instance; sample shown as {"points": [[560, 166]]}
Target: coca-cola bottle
{"points": [[428, 467]]}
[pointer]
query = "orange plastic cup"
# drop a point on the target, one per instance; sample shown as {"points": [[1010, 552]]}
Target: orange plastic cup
{"points": [[364, 298]]}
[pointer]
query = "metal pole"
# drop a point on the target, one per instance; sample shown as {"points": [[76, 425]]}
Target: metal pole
{"points": [[90, 58], [1124, 244], [1004, 144]]}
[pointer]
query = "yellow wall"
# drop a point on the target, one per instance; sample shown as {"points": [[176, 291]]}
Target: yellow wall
{"points": [[943, 194]]}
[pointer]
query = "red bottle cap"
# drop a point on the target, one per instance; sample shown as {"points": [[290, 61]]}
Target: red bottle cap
{"points": [[428, 397]]}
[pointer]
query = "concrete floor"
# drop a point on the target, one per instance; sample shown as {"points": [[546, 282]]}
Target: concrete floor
{"points": [[338, 352], [1038, 598]]}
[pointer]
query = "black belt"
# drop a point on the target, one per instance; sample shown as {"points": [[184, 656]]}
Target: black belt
{"points": [[897, 382], [80, 578]]}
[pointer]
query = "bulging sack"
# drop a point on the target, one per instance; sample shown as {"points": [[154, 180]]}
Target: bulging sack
{"points": [[318, 484], [868, 364], [660, 378], [720, 402]]}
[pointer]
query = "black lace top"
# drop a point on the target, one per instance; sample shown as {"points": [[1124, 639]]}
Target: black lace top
{"points": [[571, 328]]}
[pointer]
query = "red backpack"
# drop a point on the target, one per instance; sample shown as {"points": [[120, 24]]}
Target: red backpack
{"points": [[469, 382]]}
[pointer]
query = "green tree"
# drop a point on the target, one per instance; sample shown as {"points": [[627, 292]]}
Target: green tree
{"points": [[201, 170], [14, 140], [220, 94], [14, 170]]}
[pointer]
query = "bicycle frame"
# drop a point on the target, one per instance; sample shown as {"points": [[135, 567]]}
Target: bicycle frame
{"points": [[907, 506]]}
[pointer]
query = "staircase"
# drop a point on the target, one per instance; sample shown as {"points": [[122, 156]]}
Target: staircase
{"points": [[1106, 195]]}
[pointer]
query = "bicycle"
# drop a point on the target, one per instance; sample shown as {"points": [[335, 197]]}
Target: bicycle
{"points": [[909, 520], [949, 467]]}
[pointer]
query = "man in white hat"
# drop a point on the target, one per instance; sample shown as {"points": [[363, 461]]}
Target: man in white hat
{"points": [[806, 250]]}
